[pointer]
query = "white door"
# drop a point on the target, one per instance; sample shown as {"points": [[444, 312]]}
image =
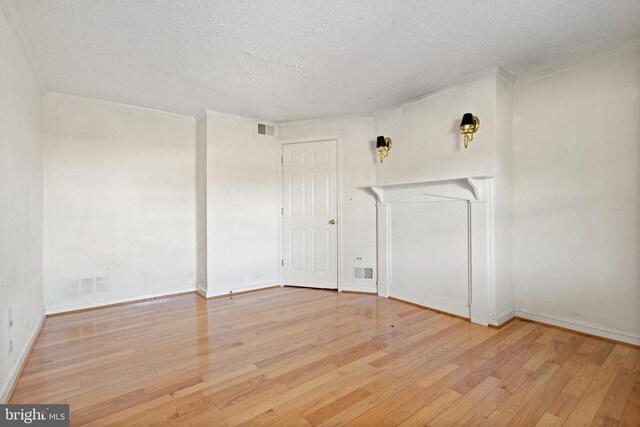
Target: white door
{"points": [[309, 195]]}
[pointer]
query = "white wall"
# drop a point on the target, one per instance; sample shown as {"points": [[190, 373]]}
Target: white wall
{"points": [[576, 196], [20, 204], [357, 211], [119, 202], [426, 138], [241, 207]]}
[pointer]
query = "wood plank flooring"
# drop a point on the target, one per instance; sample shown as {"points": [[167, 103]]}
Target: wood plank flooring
{"points": [[291, 356]]}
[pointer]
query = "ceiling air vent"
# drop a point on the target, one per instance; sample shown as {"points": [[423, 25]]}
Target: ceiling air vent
{"points": [[265, 129]]}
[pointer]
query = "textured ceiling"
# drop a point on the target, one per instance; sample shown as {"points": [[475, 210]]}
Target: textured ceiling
{"points": [[285, 60]]}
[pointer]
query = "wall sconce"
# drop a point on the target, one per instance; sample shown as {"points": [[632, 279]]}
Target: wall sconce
{"points": [[468, 126], [383, 146]]}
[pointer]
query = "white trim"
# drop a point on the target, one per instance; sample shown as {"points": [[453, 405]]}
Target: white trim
{"points": [[15, 371], [340, 210], [98, 304], [357, 287], [470, 179], [14, 22], [561, 68], [587, 328], [525, 77], [229, 291], [207, 111], [355, 116], [202, 197], [280, 259], [383, 213], [506, 77], [201, 115], [120, 104], [503, 318], [444, 88], [431, 301], [308, 139]]}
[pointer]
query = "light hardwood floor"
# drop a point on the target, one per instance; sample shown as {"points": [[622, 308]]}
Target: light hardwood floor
{"points": [[311, 357]]}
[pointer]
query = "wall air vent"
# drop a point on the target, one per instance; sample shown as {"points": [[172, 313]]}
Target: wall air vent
{"points": [[266, 130], [363, 273]]}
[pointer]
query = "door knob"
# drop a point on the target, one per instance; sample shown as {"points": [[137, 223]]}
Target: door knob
{"points": [[332, 221]]}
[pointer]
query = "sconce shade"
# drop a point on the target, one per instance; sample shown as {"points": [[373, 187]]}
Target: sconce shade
{"points": [[467, 120], [383, 146]]}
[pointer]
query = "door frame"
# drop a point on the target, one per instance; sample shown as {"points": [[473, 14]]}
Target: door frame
{"points": [[339, 242]]}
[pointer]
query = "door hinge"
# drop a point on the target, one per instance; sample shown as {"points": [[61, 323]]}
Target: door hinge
{"points": [[282, 211], [282, 262], [281, 159]]}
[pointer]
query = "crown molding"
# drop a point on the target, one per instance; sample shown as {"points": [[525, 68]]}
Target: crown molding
{"points": [[11, 14], [506, 77], [207, 111], [561, 68], [119, 104], [325, 119], [201, 115], [477, 76]]}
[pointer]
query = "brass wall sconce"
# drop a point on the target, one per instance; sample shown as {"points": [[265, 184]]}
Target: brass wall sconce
{"points": [[468, 126], [383, 146]]}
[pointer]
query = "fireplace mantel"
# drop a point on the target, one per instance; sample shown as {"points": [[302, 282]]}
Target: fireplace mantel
{"points": [[477, 192], [461, 188]]}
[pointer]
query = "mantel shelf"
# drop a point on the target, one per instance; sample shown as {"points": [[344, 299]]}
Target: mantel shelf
{"points": [[461, 188]]}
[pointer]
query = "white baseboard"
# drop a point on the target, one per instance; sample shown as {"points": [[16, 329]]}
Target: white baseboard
{"points": [[357, 287], [17, 368], [563, 322], [587, 328], [219, 292], [431, 301], [112, 301], [503, 318]]}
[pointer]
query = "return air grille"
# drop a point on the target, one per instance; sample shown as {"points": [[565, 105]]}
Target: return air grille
{"points": [[363, 273], [264, 129]]}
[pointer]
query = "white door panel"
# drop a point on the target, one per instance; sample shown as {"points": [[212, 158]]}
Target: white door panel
{"points": [[309, 191]]}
